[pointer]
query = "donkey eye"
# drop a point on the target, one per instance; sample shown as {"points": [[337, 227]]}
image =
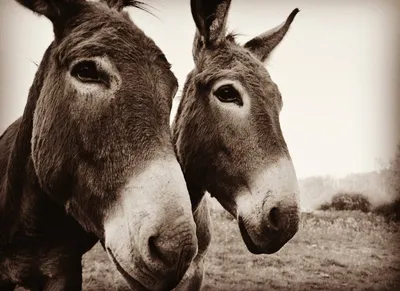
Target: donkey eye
{"points": [[86, 71], [228, 94]]}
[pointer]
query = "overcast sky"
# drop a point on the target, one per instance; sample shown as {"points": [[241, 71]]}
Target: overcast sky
{"points": [[337, 70]]}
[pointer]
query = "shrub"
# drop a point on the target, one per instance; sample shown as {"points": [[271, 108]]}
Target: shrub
{"points": [[348, 201], [325, 206], [390, 211]]}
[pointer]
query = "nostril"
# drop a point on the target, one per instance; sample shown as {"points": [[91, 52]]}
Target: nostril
{"points": [[274, 217], [170, 256], [154, 250]]}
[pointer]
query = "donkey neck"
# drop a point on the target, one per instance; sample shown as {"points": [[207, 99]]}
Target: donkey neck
{"points": [[194, 176], [19, 183]]}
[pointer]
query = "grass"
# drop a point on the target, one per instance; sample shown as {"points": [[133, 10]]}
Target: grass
{"points": [[346, 250]]}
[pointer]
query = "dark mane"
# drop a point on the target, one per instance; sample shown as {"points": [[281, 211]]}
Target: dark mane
{"points": [[231, 37], [120, 4]]}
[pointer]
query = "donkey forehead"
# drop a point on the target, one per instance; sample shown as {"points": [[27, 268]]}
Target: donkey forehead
{"points": [[98, 30], [237, 63]]}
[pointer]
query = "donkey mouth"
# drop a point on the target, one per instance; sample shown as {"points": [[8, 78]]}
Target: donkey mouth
{"points": [[250, 244], [134, 284]]}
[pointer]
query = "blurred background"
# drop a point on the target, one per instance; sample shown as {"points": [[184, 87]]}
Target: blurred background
{"points": [[338, 70]]}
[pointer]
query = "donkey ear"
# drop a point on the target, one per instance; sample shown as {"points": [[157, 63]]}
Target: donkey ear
{"points": [[52, 9], [265, 43], [210, 17]]}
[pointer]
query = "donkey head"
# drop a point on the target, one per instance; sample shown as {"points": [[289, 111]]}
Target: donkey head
{"points": [[227, 132], [101, 144]]}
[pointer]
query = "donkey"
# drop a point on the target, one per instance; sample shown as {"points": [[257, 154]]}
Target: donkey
{"points": [[228, 139], [92, 158]]}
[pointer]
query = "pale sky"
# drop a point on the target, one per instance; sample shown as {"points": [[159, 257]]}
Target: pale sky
{"points": [[337, 70]]}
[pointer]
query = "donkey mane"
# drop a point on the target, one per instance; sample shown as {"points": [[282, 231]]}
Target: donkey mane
{"points": [[121, 4], [125, 3], [231, 36]]}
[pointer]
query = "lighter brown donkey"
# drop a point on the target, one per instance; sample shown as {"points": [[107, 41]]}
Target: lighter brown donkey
{"points": [[228, 138]]}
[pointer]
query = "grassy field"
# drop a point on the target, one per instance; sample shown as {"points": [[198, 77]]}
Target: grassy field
{"points": [[332, 251]]}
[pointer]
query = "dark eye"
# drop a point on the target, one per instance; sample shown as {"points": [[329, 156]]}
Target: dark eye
{"points": [[86, 71], [228, 94]]}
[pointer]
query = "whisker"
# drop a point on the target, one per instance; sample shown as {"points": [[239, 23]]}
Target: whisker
{"points": [[33, 62]]}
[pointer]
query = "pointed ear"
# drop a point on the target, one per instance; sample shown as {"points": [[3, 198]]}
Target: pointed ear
{"points": [[265, 43], [210, 18], [52, 9]]}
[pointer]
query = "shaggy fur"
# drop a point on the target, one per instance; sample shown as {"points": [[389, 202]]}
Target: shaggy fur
{"points": [[63, 161], [218, 153]]}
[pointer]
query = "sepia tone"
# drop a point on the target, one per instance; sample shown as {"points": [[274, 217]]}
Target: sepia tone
{"points": [[278, 121]]}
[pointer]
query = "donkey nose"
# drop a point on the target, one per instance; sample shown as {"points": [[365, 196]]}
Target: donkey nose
{"points": [[171, 253], [174, 259], [160, 251], [280, 218]]}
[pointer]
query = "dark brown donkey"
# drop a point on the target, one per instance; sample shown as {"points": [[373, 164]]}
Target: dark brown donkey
{"points": [[92, 158], [228, 138]]}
